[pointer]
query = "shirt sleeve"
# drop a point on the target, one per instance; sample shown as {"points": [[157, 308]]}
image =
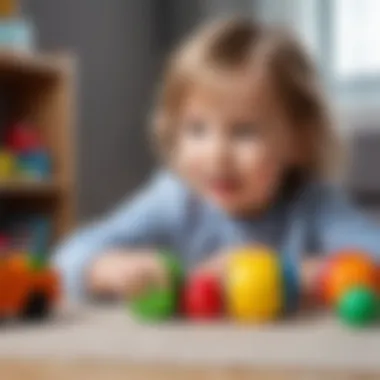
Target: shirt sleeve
{"points": [[147, 218], [340, 224]]}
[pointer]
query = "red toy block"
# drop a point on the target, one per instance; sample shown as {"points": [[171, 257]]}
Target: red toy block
{"points": [[23, 138], [202, 297]]}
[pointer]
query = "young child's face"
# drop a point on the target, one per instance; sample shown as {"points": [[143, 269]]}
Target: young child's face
{"points": [[233, 147]]}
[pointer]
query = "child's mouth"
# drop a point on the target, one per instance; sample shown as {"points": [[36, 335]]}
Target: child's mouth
{"points": [[224, 186]]}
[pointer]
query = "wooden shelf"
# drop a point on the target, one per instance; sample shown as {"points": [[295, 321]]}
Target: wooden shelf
{"points": [[39, 89], [45, 65], [28, 187]]}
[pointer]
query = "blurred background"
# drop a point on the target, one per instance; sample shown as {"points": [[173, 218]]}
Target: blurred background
{"points": [[121, 46], [73, 130]]}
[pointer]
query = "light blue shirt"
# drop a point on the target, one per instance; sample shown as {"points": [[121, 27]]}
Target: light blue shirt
{"points": [[165, 213]]}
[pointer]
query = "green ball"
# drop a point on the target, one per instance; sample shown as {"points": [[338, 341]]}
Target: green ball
{"points": [[359, 306], [154, 305], [160, 304]]}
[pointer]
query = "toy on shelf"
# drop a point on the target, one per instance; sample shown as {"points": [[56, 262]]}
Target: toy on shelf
{"points": [[16, 32], [35, 165], [202, 297], [29, 287], [8, 8], [23, 138], [159, 303], [8, 164], [24, 154], [349, 283]]}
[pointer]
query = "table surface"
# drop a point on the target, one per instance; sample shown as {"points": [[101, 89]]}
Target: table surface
{"points": [[15, 370], [109, 335]]}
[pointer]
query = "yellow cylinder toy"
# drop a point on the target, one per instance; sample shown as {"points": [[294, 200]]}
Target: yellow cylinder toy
{"points": [[254, 288], [7, 164]]}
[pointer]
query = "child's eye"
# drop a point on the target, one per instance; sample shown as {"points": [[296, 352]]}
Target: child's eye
{"points": [[196, 129], [244, 131]]}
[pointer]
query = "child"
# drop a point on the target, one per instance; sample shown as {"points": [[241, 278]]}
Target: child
{"points": [[247, 143]]}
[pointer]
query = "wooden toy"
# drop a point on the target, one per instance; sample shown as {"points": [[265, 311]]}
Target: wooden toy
{"points": [[7, 164], [254, 285], [344, 270], [358, 306], [160, 303], [202, 297], [26, 292]]}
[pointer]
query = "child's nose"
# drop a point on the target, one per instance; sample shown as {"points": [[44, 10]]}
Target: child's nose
{"points": [[219, 151]]}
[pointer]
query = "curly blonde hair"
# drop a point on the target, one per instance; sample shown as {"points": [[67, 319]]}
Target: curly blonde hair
{"points": [[229, 45]]}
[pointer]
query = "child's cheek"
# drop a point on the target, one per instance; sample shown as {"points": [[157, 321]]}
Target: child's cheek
{"points": [[188, 161], [262, 173]]}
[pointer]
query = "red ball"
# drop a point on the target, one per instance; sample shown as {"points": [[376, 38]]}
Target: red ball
{"points": [[23, 138], [202, 297]]}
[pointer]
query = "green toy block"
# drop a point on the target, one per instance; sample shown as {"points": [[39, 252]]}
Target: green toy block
{"points": [[160, 304]]}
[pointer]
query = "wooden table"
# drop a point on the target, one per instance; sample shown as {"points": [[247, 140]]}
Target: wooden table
{"points": [[102, 344], [116, 371]]}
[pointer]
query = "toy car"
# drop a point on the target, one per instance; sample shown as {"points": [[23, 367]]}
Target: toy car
{"points": [[26, 290]]}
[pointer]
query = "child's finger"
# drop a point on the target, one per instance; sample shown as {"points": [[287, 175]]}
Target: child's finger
{"points": [[147, 274], [215, 266]]}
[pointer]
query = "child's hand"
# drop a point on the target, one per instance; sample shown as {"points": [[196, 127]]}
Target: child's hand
{"points": [[215, 266], [125, 274]]}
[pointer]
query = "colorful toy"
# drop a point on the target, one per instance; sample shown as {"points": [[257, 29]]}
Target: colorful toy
{"points": [[254, 285], [202, 297], [17, 34], [35, 165], [29, 287], [25, 291], [23, 138], [7, 164], [358, 306], [24, 154], [344, 270], [259, 286], [291, 283], [349, 283], [159, 304], [8, 8]]}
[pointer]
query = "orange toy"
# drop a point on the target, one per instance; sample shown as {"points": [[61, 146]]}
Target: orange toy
{"points": [[347, 269], [24, 291]]}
